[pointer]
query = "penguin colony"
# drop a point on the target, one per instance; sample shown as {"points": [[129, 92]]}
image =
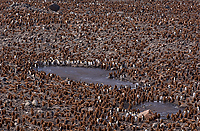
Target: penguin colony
{"points": [[151, 42]]}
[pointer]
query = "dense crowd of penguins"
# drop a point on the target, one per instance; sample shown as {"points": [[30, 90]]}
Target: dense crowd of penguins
{"points": [[154, 43]]}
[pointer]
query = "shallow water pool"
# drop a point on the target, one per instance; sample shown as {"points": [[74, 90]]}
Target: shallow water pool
{"points": [[89, 75], [161, 108], [96, 75]]}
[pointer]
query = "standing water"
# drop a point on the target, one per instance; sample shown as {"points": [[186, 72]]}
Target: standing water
{"points": [[95, 75], [89, 75]]}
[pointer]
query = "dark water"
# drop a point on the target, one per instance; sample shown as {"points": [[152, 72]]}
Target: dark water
{"points": [[89, 75]]}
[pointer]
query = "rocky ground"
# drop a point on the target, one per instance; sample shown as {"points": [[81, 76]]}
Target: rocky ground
{"points": [[154, 43]]}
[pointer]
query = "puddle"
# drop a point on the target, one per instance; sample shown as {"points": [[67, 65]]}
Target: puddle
{"points": [[89, 75], [162, 108], [96, 75]]}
